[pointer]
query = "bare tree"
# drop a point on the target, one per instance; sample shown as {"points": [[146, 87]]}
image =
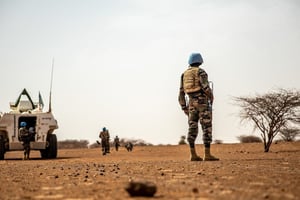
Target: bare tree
{"points": [[271, 112], [289, 134]]}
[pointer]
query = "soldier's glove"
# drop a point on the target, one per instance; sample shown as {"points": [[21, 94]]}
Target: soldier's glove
{"points": [[185, 110]]}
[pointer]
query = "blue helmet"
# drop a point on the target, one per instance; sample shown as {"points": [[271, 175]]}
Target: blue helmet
{"points": [[104, 129], [23, 124], [195, 58]]}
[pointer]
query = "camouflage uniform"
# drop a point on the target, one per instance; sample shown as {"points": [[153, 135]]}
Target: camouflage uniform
{"points": [[198, 109], [104, 136], [194, 83], [25, 137], [117, 143]]}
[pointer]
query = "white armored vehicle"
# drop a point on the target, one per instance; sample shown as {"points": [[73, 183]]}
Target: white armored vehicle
{"points": [[43, 123]]}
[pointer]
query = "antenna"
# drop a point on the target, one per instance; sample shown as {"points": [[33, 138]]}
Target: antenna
{"points": [[50, 109]]}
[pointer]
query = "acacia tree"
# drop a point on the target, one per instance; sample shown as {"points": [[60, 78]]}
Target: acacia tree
{"points": [[271, 112]]}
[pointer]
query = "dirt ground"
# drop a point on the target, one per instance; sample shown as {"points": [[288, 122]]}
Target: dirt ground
{"points": [[244, 172]]}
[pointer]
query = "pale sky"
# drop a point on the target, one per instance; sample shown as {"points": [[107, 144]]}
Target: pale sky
{"points": [[118, 63]]}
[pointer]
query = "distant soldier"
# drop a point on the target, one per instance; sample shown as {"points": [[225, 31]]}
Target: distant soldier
{"points": [[31, 133], [104, 136], [25, 136], [117, 143], [194, 83], [129, 146]]}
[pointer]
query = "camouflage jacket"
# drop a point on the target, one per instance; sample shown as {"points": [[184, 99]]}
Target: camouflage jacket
{"points": [[205, 89], [23, 134], [104, 134]]}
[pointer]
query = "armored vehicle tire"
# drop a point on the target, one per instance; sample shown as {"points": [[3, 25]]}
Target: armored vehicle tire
{"points": [[51, 150], [2, 149]]}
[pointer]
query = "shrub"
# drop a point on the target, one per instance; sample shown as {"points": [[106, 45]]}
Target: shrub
{"points": [[218, 142], [182, 140], [249, 139], [73, 144]]}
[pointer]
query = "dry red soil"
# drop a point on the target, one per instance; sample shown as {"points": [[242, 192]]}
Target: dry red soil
{"points": [[243, 172]]}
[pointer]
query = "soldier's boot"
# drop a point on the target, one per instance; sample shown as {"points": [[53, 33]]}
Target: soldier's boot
{"points": [[194, 156], [108, 149], [28, 153], [208, 156], [103, 151]]}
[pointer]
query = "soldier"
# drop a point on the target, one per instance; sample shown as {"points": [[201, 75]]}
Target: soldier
{"points": [[129, 146], [31, 133], [25, 137], [104, 136], [117, 143], [194, 83]]}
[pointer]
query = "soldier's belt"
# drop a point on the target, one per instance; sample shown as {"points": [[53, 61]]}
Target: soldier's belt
{"points": [[196, 95]]}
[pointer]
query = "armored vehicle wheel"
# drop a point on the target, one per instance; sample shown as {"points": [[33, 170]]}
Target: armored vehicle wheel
{"points": [[51, 150], [2, 149]]}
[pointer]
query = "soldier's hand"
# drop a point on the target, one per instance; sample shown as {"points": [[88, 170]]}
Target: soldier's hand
{"points": [[186, 111]]}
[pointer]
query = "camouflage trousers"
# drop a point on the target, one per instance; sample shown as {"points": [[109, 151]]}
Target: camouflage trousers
{"points": [[105, 145], [199, 112], [26, 146]]}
